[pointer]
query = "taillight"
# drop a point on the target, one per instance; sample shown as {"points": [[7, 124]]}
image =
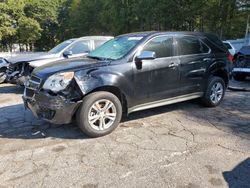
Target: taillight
{"points": [[230, 57]]}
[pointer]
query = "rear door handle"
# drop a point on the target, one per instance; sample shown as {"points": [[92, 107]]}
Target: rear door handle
{"points": [[207, 59]]}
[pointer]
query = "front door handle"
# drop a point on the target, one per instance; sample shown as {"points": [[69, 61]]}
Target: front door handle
{"points": [[207, 59], [172, 65]]}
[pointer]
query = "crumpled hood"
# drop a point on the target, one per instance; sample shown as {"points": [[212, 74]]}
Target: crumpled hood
{"points": [[31, 57], [65, 65]]}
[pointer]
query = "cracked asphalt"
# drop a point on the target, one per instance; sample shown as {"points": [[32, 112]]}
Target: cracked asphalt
{"points": [[183, 145]]}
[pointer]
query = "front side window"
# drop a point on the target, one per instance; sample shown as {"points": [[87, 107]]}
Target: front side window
{"points": [[162, 46], [115, 48], [190, 45], [80, 47], [61, 46], [99, 43]]}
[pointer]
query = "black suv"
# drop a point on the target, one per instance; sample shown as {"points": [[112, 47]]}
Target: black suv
{"points": [[130, 73]]}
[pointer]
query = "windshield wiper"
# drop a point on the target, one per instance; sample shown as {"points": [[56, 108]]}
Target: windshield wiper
{"points": [[95, 57], [100, 58]]}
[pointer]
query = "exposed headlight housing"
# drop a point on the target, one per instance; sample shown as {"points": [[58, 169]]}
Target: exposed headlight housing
{"points": [[58, 82]]}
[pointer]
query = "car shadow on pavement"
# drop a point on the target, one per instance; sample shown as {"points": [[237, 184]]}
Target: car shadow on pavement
{"points": [[231, 116], [240, 85], [18, 123], [240, 176]]}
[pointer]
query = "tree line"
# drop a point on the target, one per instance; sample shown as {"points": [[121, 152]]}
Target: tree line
{"points": [[41, 24]]}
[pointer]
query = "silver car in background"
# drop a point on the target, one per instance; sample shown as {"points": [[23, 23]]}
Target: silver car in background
{"points": [[3, 67], [21, 66], [234, 46]]}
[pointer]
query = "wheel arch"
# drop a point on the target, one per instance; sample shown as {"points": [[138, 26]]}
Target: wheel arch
{"points": [[115, 91], [222, 73]]}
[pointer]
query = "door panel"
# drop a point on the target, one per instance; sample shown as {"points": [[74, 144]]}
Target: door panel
{"points": [[194, 59], [192, 71], [159, 78]]}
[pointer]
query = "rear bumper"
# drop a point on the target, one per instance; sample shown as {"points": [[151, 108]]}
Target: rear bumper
{"points": [[243, 71], [54, 109]]}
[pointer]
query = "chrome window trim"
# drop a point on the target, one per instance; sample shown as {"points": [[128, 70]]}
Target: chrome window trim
{"points": [[139, 48]]}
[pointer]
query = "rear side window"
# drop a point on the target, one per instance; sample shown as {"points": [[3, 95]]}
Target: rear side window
{"points": [[80, 47], [190, 45], [204, 48], [216, 44], [162, 46]]}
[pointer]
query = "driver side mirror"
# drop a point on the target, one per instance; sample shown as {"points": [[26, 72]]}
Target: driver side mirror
{"points": [[66, 54], [145, 55]]}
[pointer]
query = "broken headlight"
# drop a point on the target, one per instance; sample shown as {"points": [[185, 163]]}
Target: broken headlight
{"points": [[58, 82]]}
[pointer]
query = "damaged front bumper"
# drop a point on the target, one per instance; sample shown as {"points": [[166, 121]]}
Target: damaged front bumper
{"points": [[53, 108]]}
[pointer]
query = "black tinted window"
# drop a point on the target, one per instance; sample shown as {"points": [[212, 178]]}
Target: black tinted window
{"points": [[204, 48], [190, 45], [80, 47], [162, 46]]}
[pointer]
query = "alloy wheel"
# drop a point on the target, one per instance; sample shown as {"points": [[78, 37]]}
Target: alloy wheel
{"points": [[216, 92], [102, 115]]}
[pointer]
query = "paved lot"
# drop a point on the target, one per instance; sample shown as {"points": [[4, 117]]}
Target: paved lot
{"points": [[183, 146]]}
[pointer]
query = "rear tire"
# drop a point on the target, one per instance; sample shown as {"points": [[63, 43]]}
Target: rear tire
{"points": [[215, 92], [239, 77], [99, 114]]}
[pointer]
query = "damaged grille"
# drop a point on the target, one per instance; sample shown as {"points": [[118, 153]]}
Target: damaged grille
{"points": [[30, 70], [32, 85], [35, 79], [11, 68]]}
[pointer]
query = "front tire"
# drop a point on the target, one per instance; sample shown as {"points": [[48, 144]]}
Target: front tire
{"points": [[215, 92], [99, 114]]}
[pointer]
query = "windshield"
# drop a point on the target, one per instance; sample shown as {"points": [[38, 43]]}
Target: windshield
{"points": [[116, 48], [60, 46]]}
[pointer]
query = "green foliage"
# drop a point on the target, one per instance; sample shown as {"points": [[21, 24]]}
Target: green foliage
{"points": [[29, 30], [47, 22]]}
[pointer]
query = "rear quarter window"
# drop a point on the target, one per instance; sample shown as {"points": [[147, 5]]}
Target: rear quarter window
{"points": [[216, 44], [187, 45]]}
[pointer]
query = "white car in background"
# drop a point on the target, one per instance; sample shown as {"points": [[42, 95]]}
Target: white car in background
{"points": [[21, 66], [3, 67], [234, 46]]}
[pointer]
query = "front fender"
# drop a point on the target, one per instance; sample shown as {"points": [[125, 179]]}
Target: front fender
{"points": [[89, 81]]}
